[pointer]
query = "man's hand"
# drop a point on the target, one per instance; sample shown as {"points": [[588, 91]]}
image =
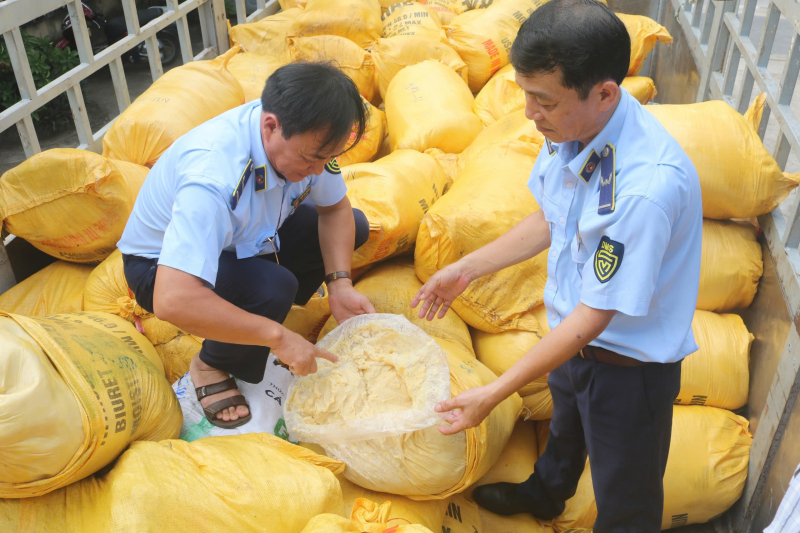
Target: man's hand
{"points": [[440, 291], [466, 410], [299, 354], [346, 301]]}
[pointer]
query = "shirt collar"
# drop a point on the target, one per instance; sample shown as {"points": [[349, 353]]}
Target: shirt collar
{"points": [[588, 158], [257, 153]]}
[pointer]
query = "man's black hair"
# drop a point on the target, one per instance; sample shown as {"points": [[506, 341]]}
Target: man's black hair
{"points": [[583, 39], [315, 96]]}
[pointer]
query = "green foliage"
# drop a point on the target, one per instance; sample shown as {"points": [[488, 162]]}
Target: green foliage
{"points": [[230, 9], [47, 63]]}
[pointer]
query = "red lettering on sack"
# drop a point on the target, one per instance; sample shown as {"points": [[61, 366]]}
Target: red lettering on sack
{"points": [[494, 54]]}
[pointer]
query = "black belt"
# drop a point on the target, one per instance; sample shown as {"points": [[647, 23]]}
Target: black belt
{"points": [[608, 357]]}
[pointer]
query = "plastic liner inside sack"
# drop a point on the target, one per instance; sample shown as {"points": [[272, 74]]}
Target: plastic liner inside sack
{"points": [[389, 377]]}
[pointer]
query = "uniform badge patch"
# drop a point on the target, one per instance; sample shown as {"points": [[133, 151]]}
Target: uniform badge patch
{"points": [[607, 259], [261, 178], [333, 166], [589, 166]]}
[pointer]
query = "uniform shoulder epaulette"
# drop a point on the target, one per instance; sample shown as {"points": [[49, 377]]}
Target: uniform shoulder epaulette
{"points": [[608, 180], [237, 192]]}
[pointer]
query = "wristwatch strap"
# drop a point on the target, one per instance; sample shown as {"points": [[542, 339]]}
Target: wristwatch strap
{"points": [[336, 275]]}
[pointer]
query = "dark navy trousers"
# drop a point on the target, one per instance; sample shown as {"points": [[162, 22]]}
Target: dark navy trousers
{"points": [[621, 416], [258, 285]]}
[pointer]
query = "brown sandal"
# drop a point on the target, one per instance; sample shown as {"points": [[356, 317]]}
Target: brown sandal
{"points": [[212, 410]]}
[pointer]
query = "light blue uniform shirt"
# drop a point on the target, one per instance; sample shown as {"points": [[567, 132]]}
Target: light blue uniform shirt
{"points": [[186, 213], [648, 266]]}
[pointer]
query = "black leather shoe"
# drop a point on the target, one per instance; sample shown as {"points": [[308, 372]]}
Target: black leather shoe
{"points": [[504, 499]]}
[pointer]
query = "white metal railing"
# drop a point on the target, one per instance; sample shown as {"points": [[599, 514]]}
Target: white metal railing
{"points": [[731, 66], [15, 13]]}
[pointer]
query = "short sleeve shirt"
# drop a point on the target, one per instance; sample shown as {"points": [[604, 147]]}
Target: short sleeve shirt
{"points": [[214, 190], [642, 258]]}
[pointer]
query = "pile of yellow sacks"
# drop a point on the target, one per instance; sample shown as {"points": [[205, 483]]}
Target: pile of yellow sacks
{"points": [[446, 125]]}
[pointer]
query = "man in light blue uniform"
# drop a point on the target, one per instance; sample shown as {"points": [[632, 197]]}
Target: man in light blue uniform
{"points": [[621, 213], [244, 216]]}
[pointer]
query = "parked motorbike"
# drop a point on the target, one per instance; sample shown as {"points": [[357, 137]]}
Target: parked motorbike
{"points": [[103, 33]]}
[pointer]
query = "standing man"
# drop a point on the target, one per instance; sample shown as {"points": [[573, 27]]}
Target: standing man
{"points": [[244, 216], [621, 213]]}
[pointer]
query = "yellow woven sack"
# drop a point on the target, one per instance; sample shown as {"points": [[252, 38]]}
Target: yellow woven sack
{"points": [[394, 193], [390, 288], [267, 37], [445, 9], [514, 127], [738, 176], [731, 266], [519, 523], [483, 38], [117, 381], [429, 106], [448, 162], [641, 87], [357, 20], [345, 54], [537, 405], [705, 473], [40, 419], [501, 95], [515, 464], [251, 70], [718, 373], [393, 55], [462, 516], [707, 464], [177, 354], [489, 197], [292, 4], [645, 33], [251, 482], [403, 511], [175, 103], [499, 352], [55, 289], [366, 517], [370, 143], [107, 291], [412, 18], [71, 204], [308, 320]]}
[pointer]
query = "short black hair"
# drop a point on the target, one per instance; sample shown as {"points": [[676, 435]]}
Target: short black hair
{"points": [[583, 39], [315, 96]]}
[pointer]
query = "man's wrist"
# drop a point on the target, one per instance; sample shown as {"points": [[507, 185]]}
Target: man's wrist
{"points": [[275, 334], [468, 267], [495, 392], [339, 284]]}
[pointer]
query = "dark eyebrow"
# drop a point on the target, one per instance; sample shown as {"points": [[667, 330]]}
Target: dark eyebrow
{"points": [[540, 95]]}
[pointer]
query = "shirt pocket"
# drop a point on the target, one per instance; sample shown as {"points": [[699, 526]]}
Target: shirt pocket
{"points": [[580, 253], [257, 245], [550, 208]]}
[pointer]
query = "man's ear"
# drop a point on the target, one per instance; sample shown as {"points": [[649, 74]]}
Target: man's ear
{"points": [[608, 92], [270, 125]]}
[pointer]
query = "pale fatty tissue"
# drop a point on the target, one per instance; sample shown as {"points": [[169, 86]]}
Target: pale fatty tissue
{"points": [[383, 370]]}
